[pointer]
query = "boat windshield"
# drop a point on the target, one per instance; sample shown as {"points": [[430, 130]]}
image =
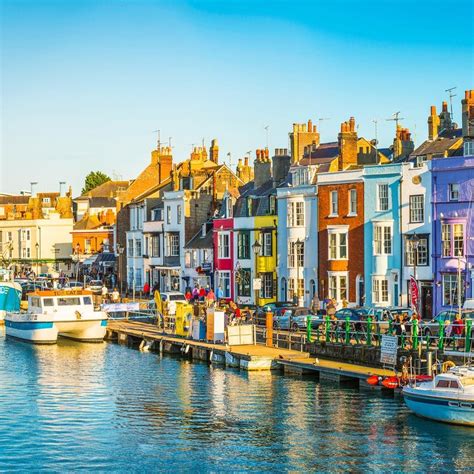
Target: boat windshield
{"points": [[69, 301]]}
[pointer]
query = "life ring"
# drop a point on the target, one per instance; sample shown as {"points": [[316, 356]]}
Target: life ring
{"points": [[447, 365]]}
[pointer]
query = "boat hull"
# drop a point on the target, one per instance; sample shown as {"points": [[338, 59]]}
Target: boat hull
{"points": [[447, 410]]}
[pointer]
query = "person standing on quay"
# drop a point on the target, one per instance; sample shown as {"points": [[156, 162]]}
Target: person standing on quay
{"points": [[210, 298], [105, 293]]}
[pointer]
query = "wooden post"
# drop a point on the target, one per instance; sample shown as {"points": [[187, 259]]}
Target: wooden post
{"points": [[269, 320]]}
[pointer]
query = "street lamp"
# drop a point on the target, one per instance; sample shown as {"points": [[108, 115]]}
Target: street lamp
{"points": [[257, 248]]}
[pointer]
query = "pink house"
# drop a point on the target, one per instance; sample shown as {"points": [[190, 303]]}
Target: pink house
{"points": [[223, 238]]}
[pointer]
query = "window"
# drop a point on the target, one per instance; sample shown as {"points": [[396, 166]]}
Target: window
{"points": [[129, 247], [338, 287], [333, 203], [382, 239], [138, 278], [296, 254], [25, 252], [25, 234], [272, 204], [454, 192], [353, 202], [48, 302], [168, 214], [266, 243], [338, 249], [187, 259], [155, 246], [87, 300], [46, 200], [421, 251], [243, 282], [450, 289], [382, 197], [138, 248], [379, 290], [417, 211], [157, 214], [468, 148], [223, 245], [172, 245], [223, 282], [179, 213], [291, 288], [267, 285], [243, 244], [452, 240], [295, 214], [69, 301]]}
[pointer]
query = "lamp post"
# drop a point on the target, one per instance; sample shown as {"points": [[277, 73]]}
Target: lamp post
{"points": [[257, 248], [37, 258]]}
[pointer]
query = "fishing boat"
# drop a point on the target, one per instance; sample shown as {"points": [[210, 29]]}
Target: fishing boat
{"points": [[53, 313], [449, 397], [10, 297]]}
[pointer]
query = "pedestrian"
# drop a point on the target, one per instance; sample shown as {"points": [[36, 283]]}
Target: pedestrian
{"points": [[219, 294], [210, 298], [104, 293], [115, 296], [331, 307], [202, 293], [315, 304], [146, 289], [195, 293], [345, 303], [188, 295], [458, 329]]}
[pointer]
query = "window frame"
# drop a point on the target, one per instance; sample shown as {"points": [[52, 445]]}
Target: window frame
{"points": [[416, 214], [381, 186], [333, 203], [222, 237], [334, 243], [384, 241], [352, 212]]}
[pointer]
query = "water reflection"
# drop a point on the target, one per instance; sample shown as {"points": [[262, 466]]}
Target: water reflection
{"points": [[74, 406]]}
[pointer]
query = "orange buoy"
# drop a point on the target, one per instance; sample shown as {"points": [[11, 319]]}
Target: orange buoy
{"points": [[390, 382], [373, 380]]}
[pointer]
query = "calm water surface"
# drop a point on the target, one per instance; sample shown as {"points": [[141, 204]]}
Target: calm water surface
{"points": [[104, 407]]}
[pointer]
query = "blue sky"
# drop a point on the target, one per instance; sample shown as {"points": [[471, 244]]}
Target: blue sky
{"points": [[85, 84]]}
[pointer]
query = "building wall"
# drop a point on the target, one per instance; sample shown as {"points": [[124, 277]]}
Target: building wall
{"points": [[96, 238], [224, 264], [446, 171], [384, 266], [244, 223], [353, 266]]}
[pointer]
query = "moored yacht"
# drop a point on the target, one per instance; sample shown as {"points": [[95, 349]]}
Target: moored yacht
{"points": [[54, 313], [449, 397]]}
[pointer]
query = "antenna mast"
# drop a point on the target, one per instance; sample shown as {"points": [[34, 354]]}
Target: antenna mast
{"points": [[451, 95], [396, 118]]}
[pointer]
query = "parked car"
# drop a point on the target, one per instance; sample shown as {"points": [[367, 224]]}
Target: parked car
{"points": [[173, 297], [95, 286], [277, 308], [296, 319], [383, 315], [431, 328]]}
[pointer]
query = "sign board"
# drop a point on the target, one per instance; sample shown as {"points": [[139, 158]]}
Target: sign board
{"points": [[414, 293], [206, 266], [257, 283], [388, 350], [120, 307]]}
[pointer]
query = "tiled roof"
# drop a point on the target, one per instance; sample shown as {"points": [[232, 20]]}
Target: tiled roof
{"points": [[323, 153], [7, 199], [102, 202], [260, 200], [440, 145], [199, 242], [88, 223], [107, 189]]}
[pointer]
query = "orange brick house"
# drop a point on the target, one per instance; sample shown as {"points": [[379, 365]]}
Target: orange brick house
{"points": [[341, 236]]}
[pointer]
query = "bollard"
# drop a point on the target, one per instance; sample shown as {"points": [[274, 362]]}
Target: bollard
{"points": [[308, 329], [269, 320], [369, 331], [327, 328], [414, 334], [467, 341], [441, 336], [348, 332]]}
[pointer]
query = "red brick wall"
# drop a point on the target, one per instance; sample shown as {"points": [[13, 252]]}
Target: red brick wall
{"points": [[355, 264]]}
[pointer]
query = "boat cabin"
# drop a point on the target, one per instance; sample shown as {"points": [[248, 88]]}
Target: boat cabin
{"points": [[51, 300]]}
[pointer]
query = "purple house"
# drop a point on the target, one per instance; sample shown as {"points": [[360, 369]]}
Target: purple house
{"points": [[453, 229]]}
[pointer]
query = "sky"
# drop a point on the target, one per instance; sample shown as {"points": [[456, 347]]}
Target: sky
{"points": [[86, 84]]}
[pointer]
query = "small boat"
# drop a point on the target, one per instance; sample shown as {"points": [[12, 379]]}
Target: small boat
{"points": [[53, 313], [10, 297], [448, 398]]}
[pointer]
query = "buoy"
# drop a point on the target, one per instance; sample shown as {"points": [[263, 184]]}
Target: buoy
{"points": [[390, 382], [373, 380]]}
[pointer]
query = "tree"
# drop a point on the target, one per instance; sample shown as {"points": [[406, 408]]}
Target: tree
{"points": [[94, 179]]}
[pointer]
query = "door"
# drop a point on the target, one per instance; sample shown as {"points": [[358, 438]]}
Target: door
{"points": [[426, 302]]}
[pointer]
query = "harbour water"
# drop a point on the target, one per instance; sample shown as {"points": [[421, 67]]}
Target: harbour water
{"points": [[72, 406]]}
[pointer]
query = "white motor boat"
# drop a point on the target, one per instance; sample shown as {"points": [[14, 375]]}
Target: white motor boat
{"points": [[449, 397], [53, 313]]}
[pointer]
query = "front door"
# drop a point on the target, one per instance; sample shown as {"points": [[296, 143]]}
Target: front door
{"points": [[426, 307]]}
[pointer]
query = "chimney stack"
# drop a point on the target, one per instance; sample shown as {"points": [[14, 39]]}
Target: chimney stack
{"points": [[433, 124], [468, 114], [262, 168], [281, 163], [347, 140], [214, 151]]}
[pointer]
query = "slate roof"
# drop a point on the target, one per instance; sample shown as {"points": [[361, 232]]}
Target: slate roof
{"points": [[102, 202], [199, 242], [440, 145], [322, 154], [260, 200]]}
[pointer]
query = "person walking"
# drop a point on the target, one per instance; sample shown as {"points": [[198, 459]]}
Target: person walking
{"points": [[219, 294], [210, 298], [104, 292], [146, 289], [115, 296]]}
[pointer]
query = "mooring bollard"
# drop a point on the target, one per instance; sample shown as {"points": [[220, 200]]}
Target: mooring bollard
{"points": [[441, 336], [269, 321]]}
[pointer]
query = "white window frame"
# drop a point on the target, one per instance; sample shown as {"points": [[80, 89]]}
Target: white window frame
{"points": [[266, 242], [352, 202], [172, 245], [299, 213], [335, 234], [223, 276], [378, 290], [416, 208], [168, 214], [338, 285], [179, 213], [223, 245], [333, 203], [454, 189], [453, 282], [384, 241], [381, 208]]}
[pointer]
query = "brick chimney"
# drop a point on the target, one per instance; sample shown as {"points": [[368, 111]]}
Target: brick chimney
{"points": [[262, 167], [303, 135], [347, 140], [162, 158], [214, 151], [433, 124], [468, 114], [281, 163], [402, 143]]}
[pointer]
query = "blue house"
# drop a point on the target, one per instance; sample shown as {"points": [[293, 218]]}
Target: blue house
{"points": [[382, 237]]}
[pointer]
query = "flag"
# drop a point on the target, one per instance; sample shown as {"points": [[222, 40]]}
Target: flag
{"points": [[414, 294]]}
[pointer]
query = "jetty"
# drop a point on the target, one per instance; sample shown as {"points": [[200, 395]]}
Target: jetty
{"points": [[250, 357]]}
